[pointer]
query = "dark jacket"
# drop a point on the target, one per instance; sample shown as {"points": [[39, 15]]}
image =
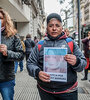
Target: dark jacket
{"points": [[14, 52], [29, 44], [35, 64], [86, 45]]}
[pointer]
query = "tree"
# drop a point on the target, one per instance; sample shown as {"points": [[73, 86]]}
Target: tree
{"points": [[67, 10]]}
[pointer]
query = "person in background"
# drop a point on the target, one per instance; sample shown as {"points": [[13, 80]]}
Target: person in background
{"points": [[35, 40], [20, 63], [44, 36], [68, 33], [76, 62], [29, 44], [10, 51], [86, 44]]}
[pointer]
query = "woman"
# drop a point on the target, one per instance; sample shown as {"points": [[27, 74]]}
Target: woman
{"points": [[10, 51], [54, 90], [86, 44]]}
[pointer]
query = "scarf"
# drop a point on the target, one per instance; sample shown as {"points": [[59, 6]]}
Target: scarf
{"points": [[54, 38]]}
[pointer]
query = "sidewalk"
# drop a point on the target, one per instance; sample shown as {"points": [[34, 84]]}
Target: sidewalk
{"points": [[25, 88], [83, 87]]}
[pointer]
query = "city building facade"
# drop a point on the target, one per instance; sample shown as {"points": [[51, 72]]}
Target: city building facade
{"points": [[27, 15], [84, 16]]}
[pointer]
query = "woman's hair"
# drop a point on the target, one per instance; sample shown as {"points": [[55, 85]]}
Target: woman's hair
{"points": [[28, 36], [9, 26], [66, 30]]}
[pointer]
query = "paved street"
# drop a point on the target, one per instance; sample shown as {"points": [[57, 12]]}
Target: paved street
{"points": [[25, 88]]}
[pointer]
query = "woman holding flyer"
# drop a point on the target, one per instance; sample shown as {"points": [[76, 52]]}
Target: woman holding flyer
{"points": [[65, 88], [10, 51]]}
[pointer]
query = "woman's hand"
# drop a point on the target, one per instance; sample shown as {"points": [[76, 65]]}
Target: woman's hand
{"points": [[71, 59], [3, 49], [44, 76]]}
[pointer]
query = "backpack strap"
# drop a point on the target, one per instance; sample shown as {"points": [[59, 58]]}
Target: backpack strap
{"points": [[40, 43], [68, 40], [70, 43]]}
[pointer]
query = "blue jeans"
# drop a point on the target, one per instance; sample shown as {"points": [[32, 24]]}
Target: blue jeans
{"points": [[20, 64], [7, 90], [16, 66]]}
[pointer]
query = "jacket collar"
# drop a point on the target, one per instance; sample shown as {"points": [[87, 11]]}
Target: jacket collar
{"points": [[61, 36]]}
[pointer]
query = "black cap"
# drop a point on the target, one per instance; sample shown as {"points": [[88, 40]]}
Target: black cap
{"points": [[53, 15]]}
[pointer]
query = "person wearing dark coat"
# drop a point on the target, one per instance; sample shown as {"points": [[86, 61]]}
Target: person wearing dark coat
{"points": [[29, 44], [51, 89], [86, 44], [10, 50]]}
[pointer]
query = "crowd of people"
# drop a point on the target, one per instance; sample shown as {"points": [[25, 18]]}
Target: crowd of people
{"points": [[13, 49]]}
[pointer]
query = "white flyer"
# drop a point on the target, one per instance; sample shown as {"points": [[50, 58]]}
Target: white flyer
{"points": [[54, 63]]}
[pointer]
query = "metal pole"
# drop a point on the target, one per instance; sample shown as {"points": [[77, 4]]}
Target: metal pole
{"points": [[66, 17], [79, 25]]}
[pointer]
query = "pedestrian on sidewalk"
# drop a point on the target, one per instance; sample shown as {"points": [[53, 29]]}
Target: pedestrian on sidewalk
{"points": [[68, 33], [10, 51], [29, 44], [36, 40], [20, 63], [86, 45], [76, 62]]}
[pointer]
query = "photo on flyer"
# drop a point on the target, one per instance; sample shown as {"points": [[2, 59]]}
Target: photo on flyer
{"points": [[54, 63]]}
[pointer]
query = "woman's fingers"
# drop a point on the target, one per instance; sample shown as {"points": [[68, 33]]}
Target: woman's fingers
{"points": [[44, 76], [3, 49], [71, 59]]}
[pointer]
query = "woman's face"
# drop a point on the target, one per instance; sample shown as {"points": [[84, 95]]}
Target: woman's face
{"points": [[52, 60], [2, 20], [67, 32], [54, 27]]}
